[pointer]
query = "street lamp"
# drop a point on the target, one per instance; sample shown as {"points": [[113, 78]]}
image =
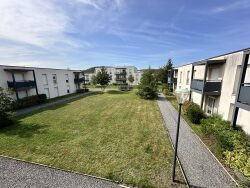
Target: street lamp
{"points": [[181, 96]]}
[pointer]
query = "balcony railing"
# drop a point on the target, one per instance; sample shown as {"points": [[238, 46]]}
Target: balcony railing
{"points": [[120, 73], [212, 87], [21, 84], [79, 80], [120, 78], [244, 95]]}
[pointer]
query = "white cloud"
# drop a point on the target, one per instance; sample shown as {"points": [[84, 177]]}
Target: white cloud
{"points": [[39, 23], [103, 4], [239, 4]]}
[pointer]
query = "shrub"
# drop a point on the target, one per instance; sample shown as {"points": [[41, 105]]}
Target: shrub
{"points": [[194, 113], [167, 92], [147, 93], [82, 90], [30, 101], [231, 144], [6, 105], [164, 86], [5, 119], [42, 98]]}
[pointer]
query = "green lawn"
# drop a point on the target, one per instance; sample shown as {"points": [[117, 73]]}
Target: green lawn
{"points": [[114, 135]]}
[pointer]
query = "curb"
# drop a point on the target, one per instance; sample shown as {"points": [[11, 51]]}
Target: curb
{"points": [[64, 170]]}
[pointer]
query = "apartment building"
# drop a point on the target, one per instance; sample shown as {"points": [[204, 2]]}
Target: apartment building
{"points": [[28, 81], [220, 85], [172, 78], [118, 75]]}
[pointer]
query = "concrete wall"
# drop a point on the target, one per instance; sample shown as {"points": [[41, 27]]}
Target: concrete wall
{"points": [[61, 85], [53, 89], [182, 77]]}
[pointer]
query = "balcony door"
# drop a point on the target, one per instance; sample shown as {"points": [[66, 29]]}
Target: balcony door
{"points": [[210, 105], [214, 75], [19, 76]]}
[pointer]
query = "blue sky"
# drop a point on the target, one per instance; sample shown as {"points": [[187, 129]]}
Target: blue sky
{"points": [[79, 34]]}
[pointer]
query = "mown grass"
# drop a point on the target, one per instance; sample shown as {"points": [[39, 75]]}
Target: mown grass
{"points": [[114, 135]]}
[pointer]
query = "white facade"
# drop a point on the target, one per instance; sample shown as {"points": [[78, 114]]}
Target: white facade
{"points": [[52, 82], [116, 74], [226, 72]]}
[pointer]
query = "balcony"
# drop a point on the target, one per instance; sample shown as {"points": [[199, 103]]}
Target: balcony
{"points": [[120, 73], [79, 80], [244, 95], [121, 78], [172, 80], [212, 87], [22, 84]]}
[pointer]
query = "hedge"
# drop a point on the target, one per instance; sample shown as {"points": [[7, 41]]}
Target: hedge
{"points": [[30, 101], [233, 145]]}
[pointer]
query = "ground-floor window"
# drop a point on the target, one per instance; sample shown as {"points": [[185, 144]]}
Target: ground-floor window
{"points": [[210, 105]]}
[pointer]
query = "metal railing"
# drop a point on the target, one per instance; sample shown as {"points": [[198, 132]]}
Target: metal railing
{"points": [[21, 84], [244, 95]]}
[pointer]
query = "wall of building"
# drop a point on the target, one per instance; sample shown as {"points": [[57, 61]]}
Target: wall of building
{"points": [[130, 70], [182, 77], [59, 88], [229, 73], [53, 89]]}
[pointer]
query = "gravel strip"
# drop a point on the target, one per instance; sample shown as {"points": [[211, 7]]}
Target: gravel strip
{"points": [[200, 166], [38, 107], [15, 173]]}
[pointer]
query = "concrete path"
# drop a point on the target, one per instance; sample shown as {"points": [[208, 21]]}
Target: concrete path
{"points": [[200, 166], [38, 107], [14, 173]]}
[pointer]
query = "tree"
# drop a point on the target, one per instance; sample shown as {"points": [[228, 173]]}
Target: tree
{"points": [[103, 78], [148, 85], [131, 79], [163, 72], [6, 104]]}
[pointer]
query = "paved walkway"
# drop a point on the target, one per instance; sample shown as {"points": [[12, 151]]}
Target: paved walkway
{"points": [[38, 107], [201, 168], [14, 173]]}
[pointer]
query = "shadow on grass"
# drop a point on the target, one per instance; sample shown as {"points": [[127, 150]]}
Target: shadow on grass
{"points": [[117, 92], [23, 130]]}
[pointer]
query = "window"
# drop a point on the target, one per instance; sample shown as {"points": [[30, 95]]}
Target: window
{"points": [[56, 91], [210, 105], [68, 89], [188, 74], [54, 78], [180, 76], [67, 78], [45, 79]]}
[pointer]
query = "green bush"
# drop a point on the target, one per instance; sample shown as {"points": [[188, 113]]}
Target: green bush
{"points": [[147, 93], [30, 101], [232, 145], [194, 113], [5, 119], [42, 98], [82, 90]]}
